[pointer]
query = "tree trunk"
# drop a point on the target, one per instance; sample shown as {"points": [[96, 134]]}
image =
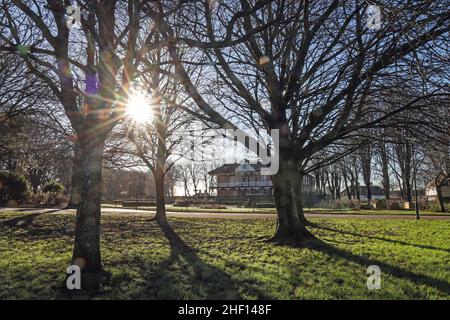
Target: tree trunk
{"points": [[347, 189], [75, 185], [300, 200], [290, 229], [330, 186], [338, 187], [440, 197], [186, 188], [160, 216], [317, 181], [404, 155], [366, 157], [86, 251], [352, 186], [385, 171], [323, 184], [358, 194]]}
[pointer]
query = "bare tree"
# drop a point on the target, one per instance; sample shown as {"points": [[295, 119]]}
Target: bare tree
{"points": [[208, 180], [384, 157], [157, 142], [185, 177], [171, 182], [333, 178], [346, 178], [99, 57], [404, 159], [366, 165], [195, 174], [305, 68], [438, 157]]}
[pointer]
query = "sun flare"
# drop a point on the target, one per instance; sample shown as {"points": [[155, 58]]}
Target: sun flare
{"points": [[139, 108]]}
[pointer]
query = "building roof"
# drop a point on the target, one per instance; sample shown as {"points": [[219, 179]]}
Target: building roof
{"points": [[375, 190], [240, 167], [395, 194], [236, 167]]}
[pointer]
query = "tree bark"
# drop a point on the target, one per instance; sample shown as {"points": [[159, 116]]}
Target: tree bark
{"points": [[366, 157], [347, 189], [337, 183], [317, 181], [358, 193], [440, 197], [385, 171], [404, 155], [160, 216], [300, 200], [86, 251], [323, 183], [291, 227], [330, 185], [75, 185]]}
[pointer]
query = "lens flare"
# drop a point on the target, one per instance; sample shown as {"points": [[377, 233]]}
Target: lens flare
{"points": [[139, 108]]}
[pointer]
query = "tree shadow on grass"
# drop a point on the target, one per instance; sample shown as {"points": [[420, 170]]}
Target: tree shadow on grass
{"points": [[184, 275], [421, 246], [24, 221], [419, 279]]}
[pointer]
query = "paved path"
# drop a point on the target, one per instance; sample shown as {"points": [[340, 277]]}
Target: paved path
{"points": [[133, 212]]}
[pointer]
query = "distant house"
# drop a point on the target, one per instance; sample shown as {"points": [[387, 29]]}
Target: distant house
{"points": [[376, 191], [245, 179], [431, 192], [396, 195]]}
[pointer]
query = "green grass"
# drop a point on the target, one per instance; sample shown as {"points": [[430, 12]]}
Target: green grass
{"points": [[228, 258], [373, 212]]}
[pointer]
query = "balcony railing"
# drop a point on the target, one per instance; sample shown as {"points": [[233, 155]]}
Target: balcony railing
{"points": [[245, 184]]}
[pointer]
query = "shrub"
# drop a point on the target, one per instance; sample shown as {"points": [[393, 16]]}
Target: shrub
{"points": [[53, 187], [38, 198], [265, 205], [341, 204], [435, 206], [182, 204], [395, 206], [52, 190], [13, 187], [136, 203], [212, 206]]}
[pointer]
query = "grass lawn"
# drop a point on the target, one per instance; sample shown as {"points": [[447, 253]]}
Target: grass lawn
{"points": [[226, 258], [372, 212], [230, 209]]}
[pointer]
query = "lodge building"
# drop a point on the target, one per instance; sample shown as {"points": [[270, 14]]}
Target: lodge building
{"points": [[245, 179]]}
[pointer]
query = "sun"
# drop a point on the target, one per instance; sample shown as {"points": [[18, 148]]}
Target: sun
{"points": [[139, 108]]}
